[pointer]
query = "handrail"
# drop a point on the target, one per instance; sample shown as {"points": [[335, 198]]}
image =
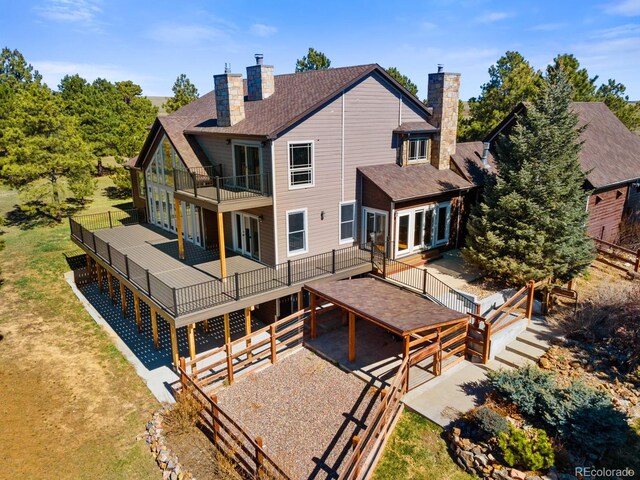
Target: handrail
{"points": [[491, 318], [634, 257], [619, 247]]}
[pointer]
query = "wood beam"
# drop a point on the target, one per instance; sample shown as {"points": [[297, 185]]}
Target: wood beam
{"points": [[352, 337], [221, 247], [175, 353], [123, 298], [136, 308], [154, 328], [313, 315], [110, 283], [405, 350], [178, 207], [191, 328], [247, 327], [227, 329]]}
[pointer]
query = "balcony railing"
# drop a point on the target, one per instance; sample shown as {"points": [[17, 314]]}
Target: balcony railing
{"points": [[190, 299], [207, 182]]}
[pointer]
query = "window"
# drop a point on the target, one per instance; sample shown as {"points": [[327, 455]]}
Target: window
{"points": [[442, 223], [375, 227], [347, 222], [300, 165], [297, 232], [418, 149]]}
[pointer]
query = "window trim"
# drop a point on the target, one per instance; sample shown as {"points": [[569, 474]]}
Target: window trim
{"points": [[343, 241], [427, 149], [447, 231], [306, 232], [313, 164], [363, 232], [245, 143]]}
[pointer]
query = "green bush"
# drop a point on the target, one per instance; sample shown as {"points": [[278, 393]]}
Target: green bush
{"points": [[529, 450], [575, 413], [490, 421]]}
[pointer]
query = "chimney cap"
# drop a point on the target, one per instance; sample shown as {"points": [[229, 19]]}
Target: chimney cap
{"points": [[440, 68], [227, 68], [259, 58]]}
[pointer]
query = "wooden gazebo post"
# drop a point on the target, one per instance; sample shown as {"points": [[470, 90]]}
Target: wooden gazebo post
{"points": [[352, 337], [191, 328]]}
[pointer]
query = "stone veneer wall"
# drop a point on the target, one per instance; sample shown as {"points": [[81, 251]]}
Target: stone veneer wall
{"points": [[442, 96], [229, 98], [260, 83]]}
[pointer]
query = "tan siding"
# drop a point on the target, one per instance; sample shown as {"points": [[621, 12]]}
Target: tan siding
{"points": [[218, 152], [605, 213], [371, 112]]}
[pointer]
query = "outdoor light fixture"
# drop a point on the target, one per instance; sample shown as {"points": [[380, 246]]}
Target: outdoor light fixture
{"points": [[228, 141], [322, 215]]}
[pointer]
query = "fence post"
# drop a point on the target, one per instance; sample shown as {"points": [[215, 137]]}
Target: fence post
{"points": [[237, 280], [126, 264], [218, 188], [229, 363], [356, 467], [109, 253], [183, 369], [384, 265], [259, 457], [175, 300], [531, 285], [333, 261], [637, 267], [93, 237], [195, 184], [289, 272], [215, 417], [272, 335], [148, 282], [424, 281], [110, 220], [81, 234], [487, 342]]}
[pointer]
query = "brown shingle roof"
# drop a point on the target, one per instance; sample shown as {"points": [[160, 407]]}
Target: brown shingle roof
{"points": [[131, 163], [413, 181], [468, 159], [416, 127]]}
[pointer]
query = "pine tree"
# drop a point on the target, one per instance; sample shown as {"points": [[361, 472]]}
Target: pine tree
{"points": [[403, 80], [313, 60], [184, 92], [532, 222]]}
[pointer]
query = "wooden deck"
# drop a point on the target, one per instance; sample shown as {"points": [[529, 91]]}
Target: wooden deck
{"points": [[157, 250], [207, 197]]}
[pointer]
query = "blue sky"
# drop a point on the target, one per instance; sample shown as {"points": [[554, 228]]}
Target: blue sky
{"points": [[152, 42]]}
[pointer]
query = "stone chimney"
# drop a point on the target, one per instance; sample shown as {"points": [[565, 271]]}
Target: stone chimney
{"points": [[229, 97], [260, 80], [443, 93]]}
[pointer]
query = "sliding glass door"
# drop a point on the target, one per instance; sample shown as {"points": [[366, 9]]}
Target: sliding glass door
{"points": [[422, 228]]}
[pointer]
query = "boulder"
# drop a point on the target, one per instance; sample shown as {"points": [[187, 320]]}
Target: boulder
{"points": [[517, 474]]}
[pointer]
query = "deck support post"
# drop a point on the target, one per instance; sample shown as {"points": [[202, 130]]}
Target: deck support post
{"points": [[154, 328], [352, 337], [205, 325], [227, 329], [136, 308], [405, 346], [191, 328], [89, 266], [99, 273], [123, 299], [300, 300], [221, 247], [110, 283], [175, 353], [247, 327], [313, 316], [178, 207]]}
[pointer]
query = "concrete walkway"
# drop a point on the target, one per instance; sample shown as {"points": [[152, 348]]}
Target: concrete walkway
{"points": [[444, 398]]}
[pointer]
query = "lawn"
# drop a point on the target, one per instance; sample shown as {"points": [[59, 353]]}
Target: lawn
{"points": [[71, 405], [415, 451]]}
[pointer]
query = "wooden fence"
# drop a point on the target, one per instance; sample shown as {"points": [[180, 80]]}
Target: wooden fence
{"points": [[609, 253]]}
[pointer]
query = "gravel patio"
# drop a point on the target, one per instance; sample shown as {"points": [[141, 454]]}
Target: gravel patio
{"points": [[305, 409]]}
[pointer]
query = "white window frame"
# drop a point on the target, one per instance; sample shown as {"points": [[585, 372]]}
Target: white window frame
{"points": [[366, 210], [306, 232], [447, 231], [237, 236], [313, 169], [426, 153], [244, 143], [341, 240]]}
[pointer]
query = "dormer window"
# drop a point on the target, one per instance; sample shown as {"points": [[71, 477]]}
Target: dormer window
{"points": [[418, 150]]}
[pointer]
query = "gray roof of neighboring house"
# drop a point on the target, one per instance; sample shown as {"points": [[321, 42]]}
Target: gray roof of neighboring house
{"points": [[296, 96], [416, 127], [468, 159], [413, 181]]}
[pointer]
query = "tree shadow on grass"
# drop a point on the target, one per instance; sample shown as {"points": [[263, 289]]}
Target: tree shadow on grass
{"points": [[115, 193], [33, 214]]}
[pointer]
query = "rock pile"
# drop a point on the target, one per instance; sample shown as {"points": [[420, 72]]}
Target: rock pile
{"points": [[166, 460]]}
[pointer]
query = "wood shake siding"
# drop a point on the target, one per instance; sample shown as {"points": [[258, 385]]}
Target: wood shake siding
{"points": [[605, 213], [371, 112]]}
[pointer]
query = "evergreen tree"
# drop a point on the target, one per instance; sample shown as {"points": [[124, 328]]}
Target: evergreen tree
{"points": [[612, 94], [184, 92], [43, 155], [583, 87], [532, 222], [403, 80], [314, 60]]}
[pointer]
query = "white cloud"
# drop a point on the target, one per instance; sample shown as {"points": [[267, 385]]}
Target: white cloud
{"points": [[184, 34], [547, 27], [262, 30], [491, 17], [632, 29], [53, 71], [70, 11], [627, 8]]}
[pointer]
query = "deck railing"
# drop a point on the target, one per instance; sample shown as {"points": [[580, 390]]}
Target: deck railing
{"points": [[208, 182], [617, 253], [215, 292]]}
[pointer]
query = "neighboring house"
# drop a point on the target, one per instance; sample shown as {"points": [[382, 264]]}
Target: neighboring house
{"points": [[610, 157], [318, 160]]}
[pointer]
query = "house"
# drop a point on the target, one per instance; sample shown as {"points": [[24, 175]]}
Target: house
{"points": [[279, 168], [610, 158]]}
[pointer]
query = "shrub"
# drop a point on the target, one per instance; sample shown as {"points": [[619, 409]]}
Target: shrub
{"points": [[184, 415], [524, 386], [530, 450], [490, 421]]}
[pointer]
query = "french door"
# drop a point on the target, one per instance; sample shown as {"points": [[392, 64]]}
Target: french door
{"points": [[422, 228], [247, 235], [375, 227], [246, 160]]}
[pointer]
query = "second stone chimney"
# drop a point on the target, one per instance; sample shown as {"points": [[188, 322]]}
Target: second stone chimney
{"points": [[443, 94], [229, 97], [260, 83]]}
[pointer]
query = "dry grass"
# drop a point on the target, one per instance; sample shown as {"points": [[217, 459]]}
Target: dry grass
{"points": [[183, 417]]}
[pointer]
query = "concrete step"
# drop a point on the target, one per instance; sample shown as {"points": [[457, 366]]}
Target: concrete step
{"points": [[525, 349], [494, 365], [535, 339], [513, 359]]}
